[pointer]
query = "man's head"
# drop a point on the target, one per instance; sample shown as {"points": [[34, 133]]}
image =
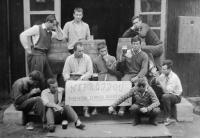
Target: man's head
{"points": [[50, 22], [167, 67], [136, 21], [78, 50], [78, 14], [102, 48], [141, 83], [52, 84], [136, 43], [35, 77]]}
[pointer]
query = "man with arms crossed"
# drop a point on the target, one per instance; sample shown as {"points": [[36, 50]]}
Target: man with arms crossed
{"points": [[146, 102], [56, 111], [135, 62], [154, 47], [168, 88], [104, 66], [78, 67], [76, 30]]}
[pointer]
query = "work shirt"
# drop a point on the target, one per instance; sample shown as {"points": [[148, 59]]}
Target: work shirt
{"points": [[148, 99], [35, 33], [74, 33], [172, 83], [84, 67]]}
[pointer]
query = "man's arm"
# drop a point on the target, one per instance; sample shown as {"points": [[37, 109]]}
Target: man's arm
{"points": [[28, 33], [130, 33], [144, 30], [66, 31], [89, 69], [95, 68], [58, 34], [154, 99], [87, 32], [66, 69]]}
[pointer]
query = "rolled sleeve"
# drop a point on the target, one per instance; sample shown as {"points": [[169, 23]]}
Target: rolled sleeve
{"points": [[45, 98], [154, 99], [66, 69]]}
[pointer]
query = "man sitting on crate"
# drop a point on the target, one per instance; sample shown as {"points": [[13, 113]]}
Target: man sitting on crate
{"points": [[78, 67], [134, 63], [168, 88], [104, 65], [146, 102], [56, 111]]}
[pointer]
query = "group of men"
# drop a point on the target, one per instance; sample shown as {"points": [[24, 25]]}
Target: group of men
{"points": [[134, 64]]}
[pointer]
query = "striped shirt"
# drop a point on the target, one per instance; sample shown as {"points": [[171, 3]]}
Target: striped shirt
{"points": [[148, 99]]}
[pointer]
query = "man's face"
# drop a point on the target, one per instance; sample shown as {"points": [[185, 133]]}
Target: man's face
{"points": [[79, 52], [32, 82], [136, 46], [103, 51], [165, 70], [53, 88], [137, 23], [50, 25], [78, 16]]}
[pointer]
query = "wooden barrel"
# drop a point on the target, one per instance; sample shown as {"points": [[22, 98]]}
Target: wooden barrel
{"points": [[90, 47], [122, 42], [57, 54]]}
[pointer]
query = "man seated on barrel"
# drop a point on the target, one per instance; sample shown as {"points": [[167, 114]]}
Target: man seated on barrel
{"points": [[26, 97], [104, 65], [146, 102], [168, 88], [56, 111], [134, 63], [78, 67]]}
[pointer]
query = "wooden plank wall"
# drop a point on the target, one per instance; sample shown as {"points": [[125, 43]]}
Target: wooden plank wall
{"points": [[187, 66]]}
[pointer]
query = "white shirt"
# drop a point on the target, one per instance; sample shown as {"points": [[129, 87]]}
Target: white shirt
{"points": [[84, 67], [35, 33], [173, 84]]}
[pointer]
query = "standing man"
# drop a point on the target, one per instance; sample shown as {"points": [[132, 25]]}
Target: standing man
{"points": [[40, 36], [56, 111], [135, 64], [78, 67], [76, 30], [154, 47], [168, 89], [146, 102], [25, 95], [104, 65]]}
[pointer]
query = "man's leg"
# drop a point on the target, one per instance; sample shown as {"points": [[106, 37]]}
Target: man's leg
{"points": [[168, 101], [153, 115], [135, 111], [50, 116]]}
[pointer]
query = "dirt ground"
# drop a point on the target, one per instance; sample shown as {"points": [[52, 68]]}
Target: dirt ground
{"points": [[177, 129]]}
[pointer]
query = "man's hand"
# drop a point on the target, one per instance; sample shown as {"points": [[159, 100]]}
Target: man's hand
{"points": [[59, 108], [80, 79], [133, 80], [143, 110], [110, 110], [133, 27], [35, 91], [105, 58]]}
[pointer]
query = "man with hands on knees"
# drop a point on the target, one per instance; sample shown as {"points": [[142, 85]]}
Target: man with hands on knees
{"points": [[78, 67], [135, 64], [146, 102], [56, 111]]}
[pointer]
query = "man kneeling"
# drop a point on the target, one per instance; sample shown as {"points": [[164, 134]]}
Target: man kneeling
{"points": [[146, 102], [56, 112]]}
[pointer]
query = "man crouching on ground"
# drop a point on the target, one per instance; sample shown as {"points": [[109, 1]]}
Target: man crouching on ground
{"points": [[56, 111], [146, 102]]}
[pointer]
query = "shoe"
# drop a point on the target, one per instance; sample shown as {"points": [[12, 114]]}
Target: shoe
{"points": [[121, 113], [29, 126], [153, 121], [167, 121], [94, 112], [44, 125], [86, 114], [81, 126], [136, 121], [51, 128]]}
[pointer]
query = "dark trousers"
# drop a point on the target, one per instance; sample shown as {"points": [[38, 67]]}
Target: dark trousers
{"points": [[55, 117], [166, 100], [135, 111], [154, 53], [34, 103]]}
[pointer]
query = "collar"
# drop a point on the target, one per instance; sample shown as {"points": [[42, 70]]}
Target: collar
{"points": [[74, 22], [170, 74], [44, 27], [136, 53], [75, 57]]}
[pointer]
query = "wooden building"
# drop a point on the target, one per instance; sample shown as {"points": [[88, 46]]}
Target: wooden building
{"points": [[108, 19]]}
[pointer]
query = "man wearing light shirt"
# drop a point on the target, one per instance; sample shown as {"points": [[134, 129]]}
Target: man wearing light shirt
{"points": [[76, 30], [135, 64], [41, 36], [170, 89], [78, 66]]}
